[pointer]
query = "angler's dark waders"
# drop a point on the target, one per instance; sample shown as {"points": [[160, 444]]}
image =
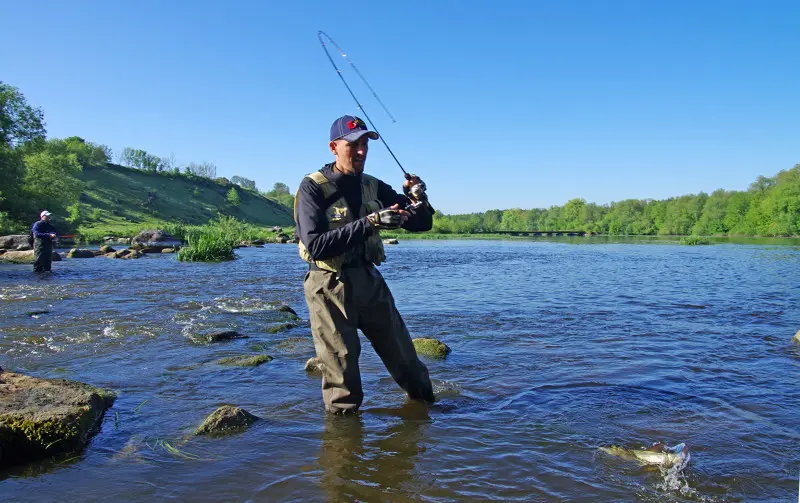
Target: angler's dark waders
{"points": [[339, 305]]}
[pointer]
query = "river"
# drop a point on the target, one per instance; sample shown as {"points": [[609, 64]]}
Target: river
{"points": [[559, 347]]}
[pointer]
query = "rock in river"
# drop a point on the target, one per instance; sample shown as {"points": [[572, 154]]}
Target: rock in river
{"points": [[15, 242], [225, 335], [154, 239], [43, 417], [23, 257], [226, 419], [245, 360], [796, 338], [80, 253], [431, 347]]}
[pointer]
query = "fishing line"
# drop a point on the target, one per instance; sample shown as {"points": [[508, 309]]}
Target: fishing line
{"points": [[320, 33]]}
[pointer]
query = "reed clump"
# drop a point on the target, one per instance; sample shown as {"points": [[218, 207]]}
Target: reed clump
{"points": [[213, 242]]}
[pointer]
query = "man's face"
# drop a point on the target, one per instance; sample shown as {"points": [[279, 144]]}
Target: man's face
{"points": [[351, 157], [46, 218]]}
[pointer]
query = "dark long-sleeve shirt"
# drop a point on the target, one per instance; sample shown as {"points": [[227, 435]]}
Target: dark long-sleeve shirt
{"points": [[42, 230], [312, 223]]}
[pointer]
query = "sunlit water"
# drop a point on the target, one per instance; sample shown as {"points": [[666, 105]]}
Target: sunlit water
{"points": [[558, 348]]}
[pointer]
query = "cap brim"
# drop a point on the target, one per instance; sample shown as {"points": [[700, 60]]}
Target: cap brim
{"points": [[355, 135]]}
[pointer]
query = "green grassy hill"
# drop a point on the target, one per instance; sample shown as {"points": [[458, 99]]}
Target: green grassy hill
{"points": [[115, 202]]}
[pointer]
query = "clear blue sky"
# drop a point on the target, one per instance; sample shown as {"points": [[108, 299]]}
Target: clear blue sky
{"points": [[498, 104]]}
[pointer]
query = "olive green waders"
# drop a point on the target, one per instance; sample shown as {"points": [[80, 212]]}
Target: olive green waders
{"points": [[338, 306], [42, 255]]}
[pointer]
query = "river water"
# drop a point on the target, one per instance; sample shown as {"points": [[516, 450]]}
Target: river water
{"points": [[559, 347]]}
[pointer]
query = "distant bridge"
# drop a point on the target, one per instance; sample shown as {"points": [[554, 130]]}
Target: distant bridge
{"points": [[536, 233]]}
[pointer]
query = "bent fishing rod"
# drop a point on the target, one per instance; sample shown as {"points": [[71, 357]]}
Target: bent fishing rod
{"points": [[320, 34], [416, 191]]}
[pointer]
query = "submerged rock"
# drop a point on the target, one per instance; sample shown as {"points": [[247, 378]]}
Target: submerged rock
{"points": [[245, 360], [226, 419], [225, 335], [43, 417], [433, 348], [283, 308], [314, 366], [80, 253], [281, 328]]}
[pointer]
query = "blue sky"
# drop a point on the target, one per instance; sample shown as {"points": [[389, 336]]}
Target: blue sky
{"points": [[498, 104]]}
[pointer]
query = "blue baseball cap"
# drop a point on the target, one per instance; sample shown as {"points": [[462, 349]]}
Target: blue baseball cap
{"points": [[349, 128]]}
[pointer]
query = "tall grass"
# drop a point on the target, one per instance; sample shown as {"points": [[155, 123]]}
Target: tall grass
{"points": [[213, 242]]}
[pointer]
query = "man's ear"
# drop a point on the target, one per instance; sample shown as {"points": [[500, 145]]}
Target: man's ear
{"points": [[332, 146]]}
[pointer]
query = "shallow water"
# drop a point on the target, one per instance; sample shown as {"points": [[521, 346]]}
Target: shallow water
{"points": [[558, 348]]}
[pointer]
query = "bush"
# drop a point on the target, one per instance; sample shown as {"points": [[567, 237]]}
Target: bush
{"points": [[695, 240]]}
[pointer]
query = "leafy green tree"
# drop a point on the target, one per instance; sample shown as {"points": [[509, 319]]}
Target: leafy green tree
{"points": [[51, 180], [20, 123], [140, 159], [233, 197], [281, 195], [245, 183]]}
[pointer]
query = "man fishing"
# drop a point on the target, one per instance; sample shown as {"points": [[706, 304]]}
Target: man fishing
{"points": [[44, 235], [339, 212]]}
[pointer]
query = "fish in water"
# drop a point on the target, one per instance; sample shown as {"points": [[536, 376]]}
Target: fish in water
{"points": [[657, 454]]}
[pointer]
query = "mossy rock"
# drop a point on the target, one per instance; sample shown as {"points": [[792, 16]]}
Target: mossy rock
{"points": [[281, 328], [796, 338], [36, 340], [80, 253], [225, 335], [431, 347], [107, 249], [285, 309], [226, 419], [168, 250], [18, 257], [45, 417], [245, 360]]}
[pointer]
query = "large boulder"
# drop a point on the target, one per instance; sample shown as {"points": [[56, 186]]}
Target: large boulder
{"points": [[43, 417], [157, 239], [15, 242], [23, 257], [226, 419]]}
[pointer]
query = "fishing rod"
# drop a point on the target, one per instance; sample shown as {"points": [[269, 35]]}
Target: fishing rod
{"points": [[417, 191], [320, 33]]}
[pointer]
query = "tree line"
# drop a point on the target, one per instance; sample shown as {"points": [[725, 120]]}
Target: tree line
{"points": [[37, 172], [769, 207]]}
